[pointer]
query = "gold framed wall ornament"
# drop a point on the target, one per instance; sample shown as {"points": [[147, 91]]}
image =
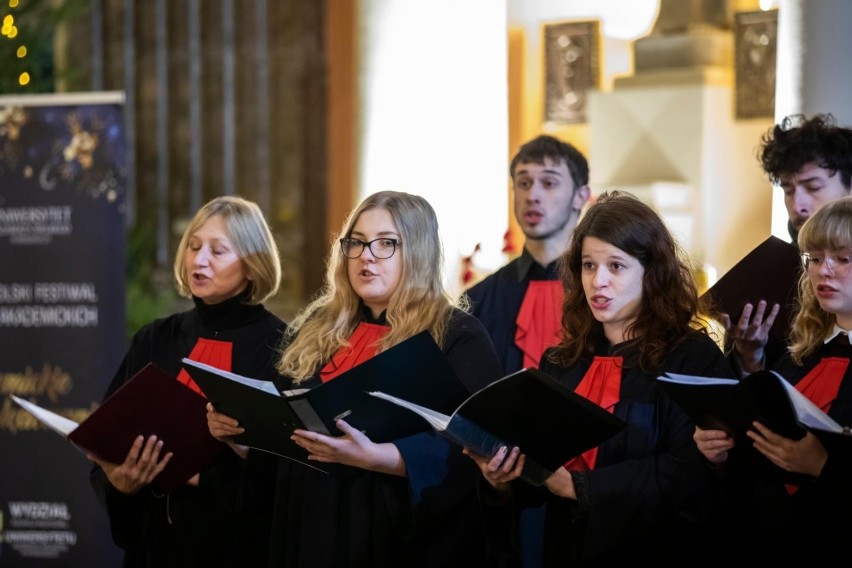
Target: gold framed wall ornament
{"points": [[755, 46], [571, 69]]}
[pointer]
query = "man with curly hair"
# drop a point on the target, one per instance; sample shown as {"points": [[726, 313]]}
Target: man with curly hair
{"points": [[810, 159]]}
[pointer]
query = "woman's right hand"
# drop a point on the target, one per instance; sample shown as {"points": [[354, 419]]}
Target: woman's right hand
{"points": [[714, 444], [502, 468], [224, 428], [751, 334], [140, 467]]}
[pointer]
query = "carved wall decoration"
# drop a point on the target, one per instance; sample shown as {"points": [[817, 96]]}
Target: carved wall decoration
{"points": [[756, 38], [571, 68]]}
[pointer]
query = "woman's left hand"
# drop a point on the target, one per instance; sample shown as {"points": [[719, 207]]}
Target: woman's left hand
{"points": [[505, 466], [353, 448], [807, 455], [561, 483]]}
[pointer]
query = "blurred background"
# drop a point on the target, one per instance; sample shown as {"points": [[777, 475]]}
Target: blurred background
{"points": [[307, 106], [120, 118]]}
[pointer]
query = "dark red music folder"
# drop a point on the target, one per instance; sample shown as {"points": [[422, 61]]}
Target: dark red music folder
{"points": [[151, 402]]}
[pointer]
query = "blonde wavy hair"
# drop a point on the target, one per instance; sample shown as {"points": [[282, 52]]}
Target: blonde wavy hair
{"points": [[419, 302], [830, 228]]}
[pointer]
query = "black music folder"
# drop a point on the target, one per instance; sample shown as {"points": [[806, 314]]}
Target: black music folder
{"points": [[732, 405], [415, 369], [548, 422], [769, 272], [151, 402]]}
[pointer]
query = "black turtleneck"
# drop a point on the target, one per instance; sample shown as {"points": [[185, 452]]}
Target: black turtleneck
{"points": [[229, 314]]}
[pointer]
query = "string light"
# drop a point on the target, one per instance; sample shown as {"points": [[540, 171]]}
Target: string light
{"points": [[8, 26], [10, 30]]}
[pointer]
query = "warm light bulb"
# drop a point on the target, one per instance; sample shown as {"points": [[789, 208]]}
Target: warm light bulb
{"points": [[22, 52], [24, 79], [13, 3], [628, 20]]}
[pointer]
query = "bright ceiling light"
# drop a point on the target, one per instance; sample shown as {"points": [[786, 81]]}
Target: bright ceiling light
{"points": [[628, 20]]}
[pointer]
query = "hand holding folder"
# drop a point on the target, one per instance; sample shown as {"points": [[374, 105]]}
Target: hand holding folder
{"points": [[548, 422], [732, 405], [151, 402], [414, 369]]}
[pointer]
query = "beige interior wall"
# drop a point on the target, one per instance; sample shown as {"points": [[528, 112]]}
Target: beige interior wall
{"points": [[675, 140]]}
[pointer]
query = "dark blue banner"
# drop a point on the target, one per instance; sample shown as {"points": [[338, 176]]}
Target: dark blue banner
{"points": [[62, 252]]}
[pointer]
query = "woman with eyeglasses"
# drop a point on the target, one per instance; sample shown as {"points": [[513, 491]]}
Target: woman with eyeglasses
{"points": [[803, 516], [407, 503]]}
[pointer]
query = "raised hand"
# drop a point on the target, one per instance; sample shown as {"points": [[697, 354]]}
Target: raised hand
{"points": [[751, 334]]}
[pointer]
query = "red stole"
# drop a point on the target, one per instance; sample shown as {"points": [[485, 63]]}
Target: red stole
{"points": [[539, 319], [602, 385], [363, 344], [210, 352], [820, 386]]}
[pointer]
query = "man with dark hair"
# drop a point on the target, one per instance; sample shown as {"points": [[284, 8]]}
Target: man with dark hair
{"points": [[810, 159], [520, 304]]}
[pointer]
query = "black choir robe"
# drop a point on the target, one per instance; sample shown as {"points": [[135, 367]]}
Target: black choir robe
{"points": [[496, 301], [648, 494], [810, 525], [356, 518], [218, 523]]}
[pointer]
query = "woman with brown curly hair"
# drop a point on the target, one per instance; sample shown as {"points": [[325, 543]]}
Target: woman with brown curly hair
{"points": [[630, 313]]}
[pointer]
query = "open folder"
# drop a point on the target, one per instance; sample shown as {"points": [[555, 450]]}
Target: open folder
{"points": [[732, 405], [528, 409], [415, 369], [769, 272], [151, 402]]}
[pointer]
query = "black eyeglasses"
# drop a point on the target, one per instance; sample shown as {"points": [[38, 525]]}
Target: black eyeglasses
{"points": [[380, 248]]}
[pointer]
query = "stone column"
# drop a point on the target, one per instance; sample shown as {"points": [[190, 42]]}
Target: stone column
{"points": [[814, 43]]}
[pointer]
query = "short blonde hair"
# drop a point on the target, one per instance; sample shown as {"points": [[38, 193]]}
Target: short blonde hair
{"points": [[830, 228], [252, 240]]}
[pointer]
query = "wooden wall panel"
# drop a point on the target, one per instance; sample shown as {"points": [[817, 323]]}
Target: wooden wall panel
{"points": [[224, 96]]}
